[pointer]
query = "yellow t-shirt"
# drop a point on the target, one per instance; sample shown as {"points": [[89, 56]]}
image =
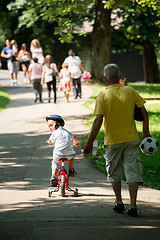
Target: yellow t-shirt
{"points": [[116, 103]]}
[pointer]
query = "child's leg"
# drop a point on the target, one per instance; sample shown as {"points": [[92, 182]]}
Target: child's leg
{"points": [[67, 95], [71, 164], [71, 171], [54, 172], [53, 179], [55, 167]]}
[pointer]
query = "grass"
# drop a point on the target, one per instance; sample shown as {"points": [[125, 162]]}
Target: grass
{"points": [[151, 164], [4, 98], [149, 91]]}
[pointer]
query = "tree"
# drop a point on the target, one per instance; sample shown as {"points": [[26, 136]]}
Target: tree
{"points": [[7, 20], [100, 41], [141, 28], [67, 15], [11, 28]]}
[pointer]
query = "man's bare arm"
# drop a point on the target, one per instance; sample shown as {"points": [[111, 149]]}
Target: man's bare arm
{"points": [[94, 131], [146, 132]]}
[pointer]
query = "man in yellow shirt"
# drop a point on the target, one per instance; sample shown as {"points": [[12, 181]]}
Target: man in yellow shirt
{"points": [[116, 105]]}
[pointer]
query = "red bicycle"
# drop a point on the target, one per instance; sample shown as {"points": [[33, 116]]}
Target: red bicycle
{"points": [[63, 181]]}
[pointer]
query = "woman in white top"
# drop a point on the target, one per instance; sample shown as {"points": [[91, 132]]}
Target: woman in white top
{"points": [[49, 74], [75, 67], [66, 80], [24, 56], [37, 51]]}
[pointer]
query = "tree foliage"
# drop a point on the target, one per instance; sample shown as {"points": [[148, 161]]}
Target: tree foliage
{"points": [[140, 23], [67, 15], [7, 22], [154, 4]]}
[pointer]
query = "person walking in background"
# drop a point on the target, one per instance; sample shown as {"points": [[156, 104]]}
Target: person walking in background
{"points": [[116, 105], [35, 72], [65, 80], [12, 63], [75, 68], [49, 74], [24, 56], [37, 51]]}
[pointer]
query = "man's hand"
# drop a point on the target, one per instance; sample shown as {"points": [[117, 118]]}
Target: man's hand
{"points": [[146, 135], [94, 131]]}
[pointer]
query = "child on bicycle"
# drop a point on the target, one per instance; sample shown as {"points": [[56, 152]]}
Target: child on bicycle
{"points": [[61, 139]]}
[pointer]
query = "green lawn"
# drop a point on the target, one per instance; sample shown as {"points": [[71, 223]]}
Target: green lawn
{"points": [[151, 164], [147, 90], [4, 98]]}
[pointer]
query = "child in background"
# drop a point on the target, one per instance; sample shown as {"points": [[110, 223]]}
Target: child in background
{"points": [[65, 80], [61, 139], [14, 48]]}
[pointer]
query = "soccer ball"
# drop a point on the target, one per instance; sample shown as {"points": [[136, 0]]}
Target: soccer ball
{"points": [[149, 146]]}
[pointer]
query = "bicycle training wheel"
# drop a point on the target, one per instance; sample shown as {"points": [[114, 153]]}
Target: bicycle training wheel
{"points": [[62, 186]]}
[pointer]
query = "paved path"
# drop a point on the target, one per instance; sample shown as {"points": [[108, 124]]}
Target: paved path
{"points": [[26, 211]]}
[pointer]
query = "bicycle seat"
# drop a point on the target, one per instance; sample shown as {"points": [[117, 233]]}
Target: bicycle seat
{"points": [[63, 159]]}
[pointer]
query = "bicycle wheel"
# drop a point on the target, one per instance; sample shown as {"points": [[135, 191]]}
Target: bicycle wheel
{"points": [[62, 186]]}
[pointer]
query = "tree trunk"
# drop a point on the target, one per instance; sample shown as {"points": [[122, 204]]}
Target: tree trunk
{"points": [[150, 60], [100, 41]]}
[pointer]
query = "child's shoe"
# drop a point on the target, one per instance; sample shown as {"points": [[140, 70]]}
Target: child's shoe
{"points": [[72, 173], [53, 181]]}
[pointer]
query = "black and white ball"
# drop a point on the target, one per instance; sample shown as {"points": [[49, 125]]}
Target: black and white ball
{"points": [[149, 145]]}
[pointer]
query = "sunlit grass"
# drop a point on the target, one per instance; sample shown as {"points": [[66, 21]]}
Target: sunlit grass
{"points": [[147, 90], [4, 98]]}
